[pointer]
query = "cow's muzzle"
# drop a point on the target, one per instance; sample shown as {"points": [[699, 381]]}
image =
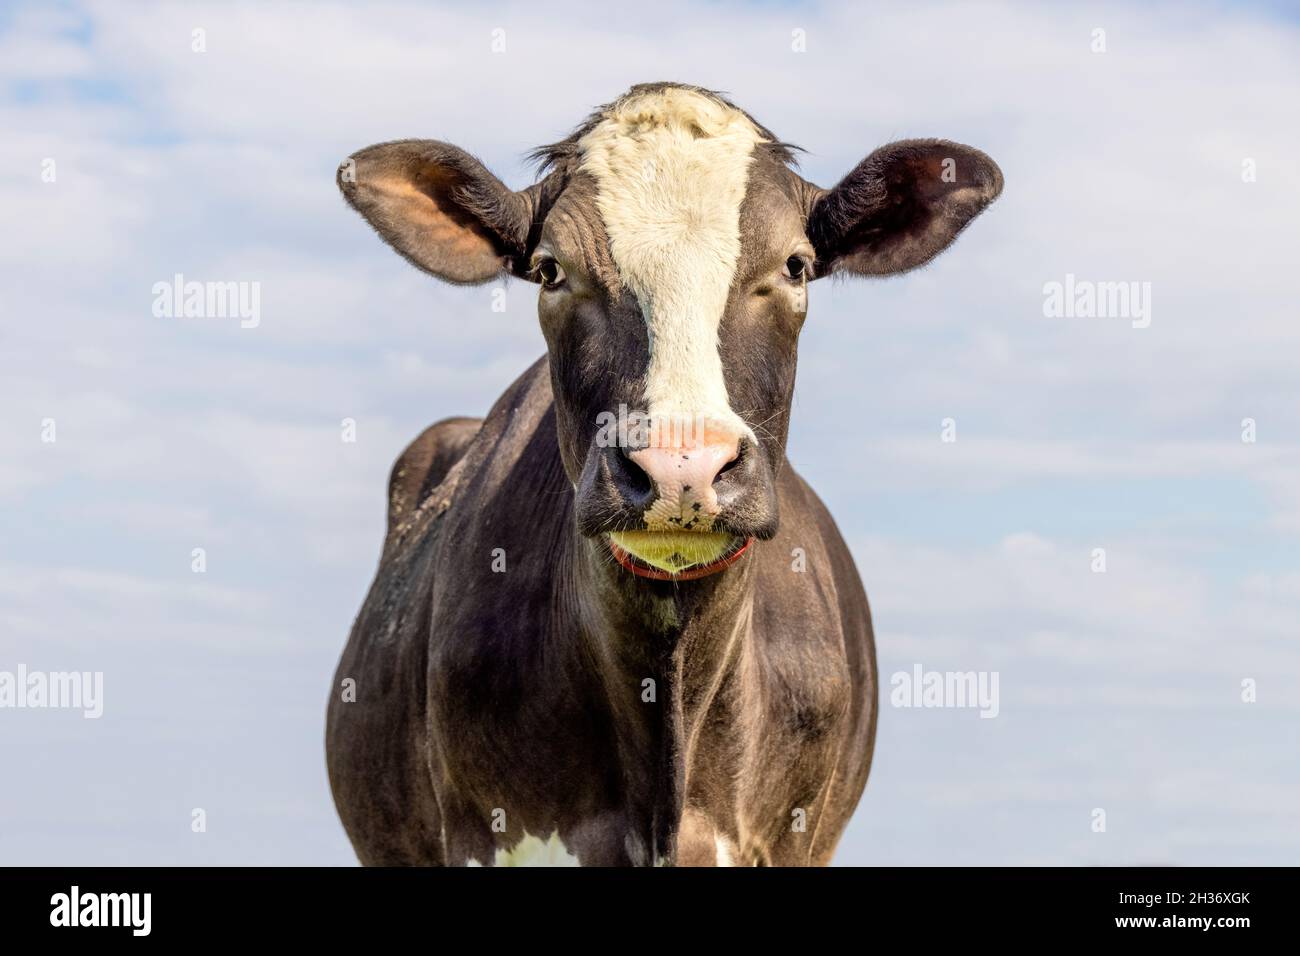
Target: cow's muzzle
{"points": [[678, 507]]}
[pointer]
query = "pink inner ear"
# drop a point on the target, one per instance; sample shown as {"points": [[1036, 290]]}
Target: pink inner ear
{"points": [[426, 233], [438, 207]]}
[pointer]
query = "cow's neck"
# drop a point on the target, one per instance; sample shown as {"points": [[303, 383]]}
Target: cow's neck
{"points": [[670, 660]]}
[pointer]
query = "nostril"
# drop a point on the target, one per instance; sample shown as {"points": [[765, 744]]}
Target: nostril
{"points": [[735, 462], [633, 478]]}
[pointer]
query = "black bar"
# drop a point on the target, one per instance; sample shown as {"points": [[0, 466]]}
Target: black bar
{"points": [[543, 909]]}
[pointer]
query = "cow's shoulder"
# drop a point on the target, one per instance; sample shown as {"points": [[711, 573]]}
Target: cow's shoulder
{"points": [[424, 463]]}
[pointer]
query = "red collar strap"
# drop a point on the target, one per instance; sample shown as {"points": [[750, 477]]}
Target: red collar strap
{"points": [[690, 574]]}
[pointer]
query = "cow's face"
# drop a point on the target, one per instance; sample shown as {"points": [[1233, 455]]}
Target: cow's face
{"points": [[673, 246]]}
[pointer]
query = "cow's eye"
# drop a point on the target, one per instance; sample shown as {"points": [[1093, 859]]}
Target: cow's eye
{"points": [[549, 271], [794, 269]]}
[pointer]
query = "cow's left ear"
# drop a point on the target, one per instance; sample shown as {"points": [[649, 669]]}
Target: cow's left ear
{"points": [[900, 207]]}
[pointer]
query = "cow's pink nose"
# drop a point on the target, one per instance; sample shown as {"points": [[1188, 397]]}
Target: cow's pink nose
{"points": [[683, 477]]}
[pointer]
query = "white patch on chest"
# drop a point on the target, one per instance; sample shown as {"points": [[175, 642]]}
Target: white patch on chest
{"points": [[532, 851], [724, 857], [671, 169]]}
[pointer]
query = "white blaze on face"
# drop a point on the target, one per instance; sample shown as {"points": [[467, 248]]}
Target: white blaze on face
{"points": [[671, 169]]}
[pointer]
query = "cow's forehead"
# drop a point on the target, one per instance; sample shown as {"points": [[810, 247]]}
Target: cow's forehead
{"points": [[667, 173], [650, 165], [670, 169]]}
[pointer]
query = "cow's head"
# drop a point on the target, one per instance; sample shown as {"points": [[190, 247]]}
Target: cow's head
{"points": [[673, 245]]}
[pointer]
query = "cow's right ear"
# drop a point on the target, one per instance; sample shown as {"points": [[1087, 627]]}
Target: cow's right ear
{"points": [[440, 208]]}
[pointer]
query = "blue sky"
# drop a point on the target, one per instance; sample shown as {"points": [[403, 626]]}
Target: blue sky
{"points": [[1119, 691]]}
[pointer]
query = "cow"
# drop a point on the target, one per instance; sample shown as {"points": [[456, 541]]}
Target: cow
{"points": [[611, 626]]}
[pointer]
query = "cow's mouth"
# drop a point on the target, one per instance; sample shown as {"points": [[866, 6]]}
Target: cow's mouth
{"points": [[676, 555]]}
